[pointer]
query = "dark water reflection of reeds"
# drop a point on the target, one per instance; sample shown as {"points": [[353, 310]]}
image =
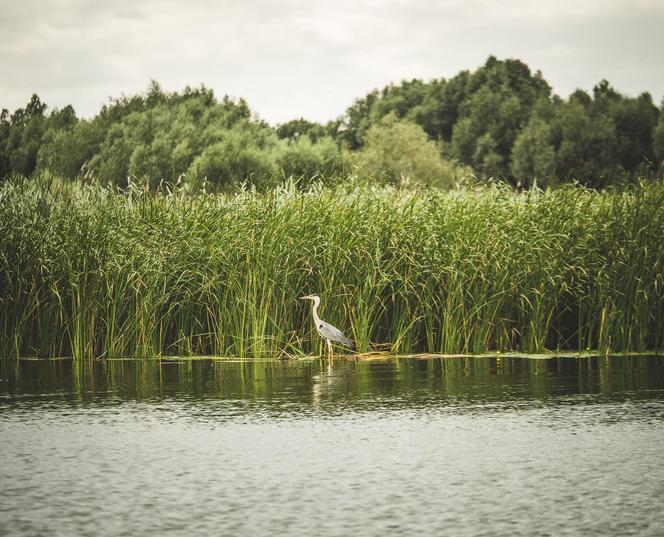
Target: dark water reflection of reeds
{"points": [[400, 380]]}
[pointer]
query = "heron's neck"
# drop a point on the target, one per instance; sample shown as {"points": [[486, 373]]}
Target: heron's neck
{"points": [[315, 311]]}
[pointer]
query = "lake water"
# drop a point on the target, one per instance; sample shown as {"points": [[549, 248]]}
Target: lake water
{"points": [[476, 446]]}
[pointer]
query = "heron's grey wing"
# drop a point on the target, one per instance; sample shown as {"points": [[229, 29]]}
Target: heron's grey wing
{"points": [[334, 334]]}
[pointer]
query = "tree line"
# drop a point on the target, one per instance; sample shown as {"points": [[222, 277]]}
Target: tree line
{"points": [[500, 121]]}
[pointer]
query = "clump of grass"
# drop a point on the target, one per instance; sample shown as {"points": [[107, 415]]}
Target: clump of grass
{"points": [[86, 271]]}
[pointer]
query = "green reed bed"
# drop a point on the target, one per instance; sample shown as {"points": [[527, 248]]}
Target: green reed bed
{"points": [[85, 271]]}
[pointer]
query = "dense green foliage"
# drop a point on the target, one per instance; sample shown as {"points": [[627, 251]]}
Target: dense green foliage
{"points": [[500, 121], [504, 122], [398, 152], [161, 137], [87, 272]]}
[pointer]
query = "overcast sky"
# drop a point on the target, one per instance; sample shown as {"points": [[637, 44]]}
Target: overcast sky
{"points": [[312, 58]]}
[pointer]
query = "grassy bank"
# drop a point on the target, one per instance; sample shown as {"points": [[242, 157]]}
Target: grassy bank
{"points": [[88, 272]]}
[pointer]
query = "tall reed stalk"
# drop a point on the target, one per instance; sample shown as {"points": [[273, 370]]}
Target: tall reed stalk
{"points": [[88, 272]]}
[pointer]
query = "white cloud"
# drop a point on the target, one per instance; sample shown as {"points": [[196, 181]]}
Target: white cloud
{"points": [[311, 58]]}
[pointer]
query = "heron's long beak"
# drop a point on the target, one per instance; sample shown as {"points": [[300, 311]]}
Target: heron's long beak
{"points": [[308, 297]]}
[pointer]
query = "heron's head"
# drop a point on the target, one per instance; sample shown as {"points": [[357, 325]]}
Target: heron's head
{"points": [[313, 296]]}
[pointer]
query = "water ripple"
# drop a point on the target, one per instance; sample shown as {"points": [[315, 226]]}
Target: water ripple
{"points": [[387, 449]]}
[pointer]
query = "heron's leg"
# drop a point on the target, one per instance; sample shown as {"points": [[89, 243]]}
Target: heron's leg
{"points": [[329, 348]]}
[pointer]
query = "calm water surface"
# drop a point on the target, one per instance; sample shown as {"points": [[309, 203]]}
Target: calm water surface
{"points": [[479, 446]]}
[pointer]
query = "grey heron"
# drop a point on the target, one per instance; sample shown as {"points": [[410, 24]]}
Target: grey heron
{"points": [[328, 332]]}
